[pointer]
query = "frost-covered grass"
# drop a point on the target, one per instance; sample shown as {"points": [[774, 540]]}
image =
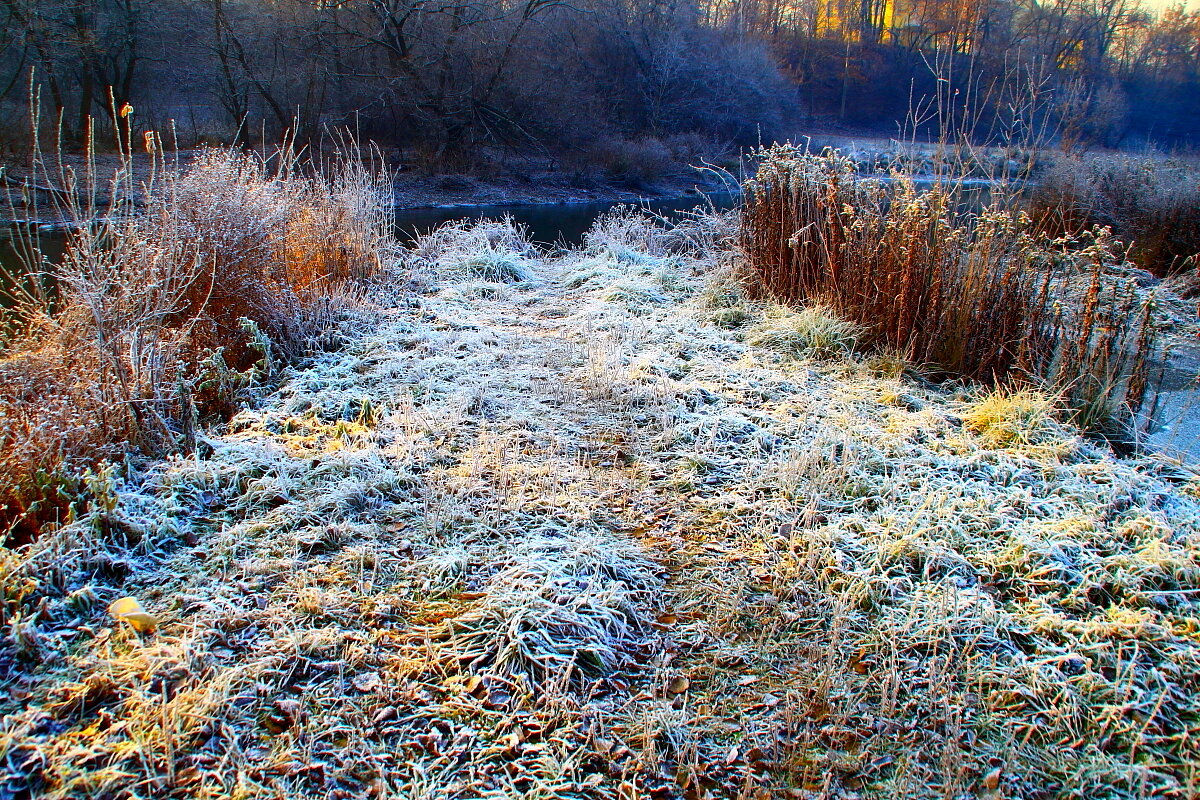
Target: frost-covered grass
{"points": [[536, 541], [814, 331], [498, 252], [1005, 418]]}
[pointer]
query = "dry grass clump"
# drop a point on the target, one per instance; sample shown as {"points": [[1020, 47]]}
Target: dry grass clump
{"points": [[564, 604], [981, 296], [814, 331], [1150, 202], [1005, 418], [498, 252], [642, 262], [167, 309], [630, 235]]}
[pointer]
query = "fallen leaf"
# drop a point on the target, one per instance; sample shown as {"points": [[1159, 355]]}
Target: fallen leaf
{"points": [[678, 685], [276, 723], [131, 611], [878, 763], [862, 667]]}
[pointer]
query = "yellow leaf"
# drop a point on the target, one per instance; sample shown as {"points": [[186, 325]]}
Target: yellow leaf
{"points": [[130, 610], [126, 110]]}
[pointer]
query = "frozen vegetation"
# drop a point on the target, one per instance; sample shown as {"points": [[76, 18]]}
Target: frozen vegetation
{"points": [[595, 524]]}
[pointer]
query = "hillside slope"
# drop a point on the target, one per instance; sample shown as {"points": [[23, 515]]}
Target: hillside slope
{"points": [[597, 526]]}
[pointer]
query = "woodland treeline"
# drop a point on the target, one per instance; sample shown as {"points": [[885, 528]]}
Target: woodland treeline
{"points": [[447, 77]]}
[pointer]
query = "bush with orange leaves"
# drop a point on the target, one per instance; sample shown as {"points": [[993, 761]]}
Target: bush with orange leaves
{"points": [[164, 306]]}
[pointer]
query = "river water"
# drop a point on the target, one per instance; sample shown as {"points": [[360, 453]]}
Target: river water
{"points": [[550, 224], [562, 224]]}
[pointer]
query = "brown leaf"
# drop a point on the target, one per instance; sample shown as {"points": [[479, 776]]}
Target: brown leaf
{"points": [[384, 714], [878, 763], [276, 723]]}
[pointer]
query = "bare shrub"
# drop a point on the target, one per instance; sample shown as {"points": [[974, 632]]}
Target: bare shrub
{"points": [[158, 315], [634, 161], [1152, 203], [983, 296]]}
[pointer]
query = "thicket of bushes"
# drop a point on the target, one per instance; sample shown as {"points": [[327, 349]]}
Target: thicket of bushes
{"points": [[452, 82], [983, 295], [449, 84], [158, 318], [1152, 203]]}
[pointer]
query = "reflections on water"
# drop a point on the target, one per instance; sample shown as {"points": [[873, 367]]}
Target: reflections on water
{"points": [[18, 249], [561, 224]]}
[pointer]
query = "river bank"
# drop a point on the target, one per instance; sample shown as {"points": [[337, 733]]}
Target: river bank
{"points": [[524, 183], [597, 525]]}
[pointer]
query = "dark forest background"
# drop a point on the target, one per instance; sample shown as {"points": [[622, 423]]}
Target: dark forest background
{"points": [[570, 77]]}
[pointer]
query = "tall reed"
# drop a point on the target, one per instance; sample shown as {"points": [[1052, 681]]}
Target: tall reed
{"points": [[979, 294]]}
